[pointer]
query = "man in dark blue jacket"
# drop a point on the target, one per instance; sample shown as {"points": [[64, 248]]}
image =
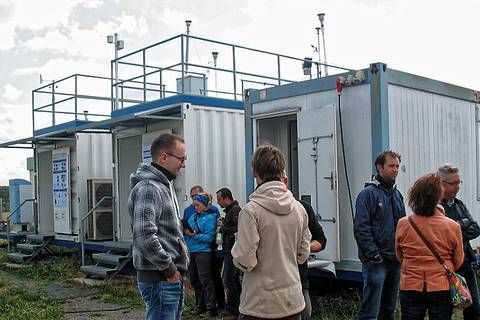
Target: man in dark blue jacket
{"points": [[379, 206]]}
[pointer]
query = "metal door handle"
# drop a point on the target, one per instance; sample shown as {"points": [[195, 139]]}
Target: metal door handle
{"points": [[331, 179]]}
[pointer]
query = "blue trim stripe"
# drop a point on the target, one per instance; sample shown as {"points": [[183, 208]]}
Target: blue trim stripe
{"points": [[249, 147], [412, 81], [178, 99], [60, 127], [299, 88]]}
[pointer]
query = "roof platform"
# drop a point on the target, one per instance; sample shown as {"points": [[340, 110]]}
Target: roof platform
{"points": [[163, 74]]}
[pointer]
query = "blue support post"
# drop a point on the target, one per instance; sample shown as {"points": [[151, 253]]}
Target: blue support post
{"points": [[378, 74]]}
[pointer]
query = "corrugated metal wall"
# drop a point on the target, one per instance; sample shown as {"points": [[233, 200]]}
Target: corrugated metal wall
{"points": [[428, 130], [215, 140]]}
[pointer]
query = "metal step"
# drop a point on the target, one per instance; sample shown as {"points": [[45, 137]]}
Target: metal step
{"points": [[40, 238], [29, 247], [97, 271], [18, 257], [118, 246], [109, 259]]}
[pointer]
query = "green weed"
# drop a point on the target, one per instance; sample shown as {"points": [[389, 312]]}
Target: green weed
{"points": [[22, 303], [125, 295], [44, 271]]}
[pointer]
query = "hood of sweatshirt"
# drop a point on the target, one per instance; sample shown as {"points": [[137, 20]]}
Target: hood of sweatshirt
{"points": [[147, 172], [274, 196]]}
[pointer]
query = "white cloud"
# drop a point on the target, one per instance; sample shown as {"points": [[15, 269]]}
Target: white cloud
{"points": [[10, 92], [92, 3], [61, 37]]}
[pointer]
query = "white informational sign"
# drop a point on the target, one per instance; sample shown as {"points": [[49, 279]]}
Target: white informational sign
{"points": [[147, 139], [61, 190]]}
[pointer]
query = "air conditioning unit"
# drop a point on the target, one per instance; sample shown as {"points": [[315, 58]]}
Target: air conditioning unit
{"points": [[100, 222]]}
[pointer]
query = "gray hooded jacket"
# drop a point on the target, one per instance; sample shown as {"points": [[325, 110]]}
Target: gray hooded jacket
{"points": [[158, 246]]}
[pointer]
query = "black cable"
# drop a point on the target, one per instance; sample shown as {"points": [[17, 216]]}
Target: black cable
{"points": [[97, 310], [344, 158]]}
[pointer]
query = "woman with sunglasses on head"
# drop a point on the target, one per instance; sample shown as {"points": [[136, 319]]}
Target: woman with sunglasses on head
{"points": [[203, 226], [423, 280]]}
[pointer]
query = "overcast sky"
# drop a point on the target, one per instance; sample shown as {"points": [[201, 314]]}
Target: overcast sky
{"points": [[432, 38]]}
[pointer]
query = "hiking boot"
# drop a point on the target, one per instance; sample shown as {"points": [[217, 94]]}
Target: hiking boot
{"points": [[198, 311]]}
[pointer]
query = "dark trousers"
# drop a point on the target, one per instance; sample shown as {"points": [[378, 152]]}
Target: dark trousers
{"points": [[217, 279], [414, 305], [380, 290], [231, 280], [466, 271], [200, 270]]}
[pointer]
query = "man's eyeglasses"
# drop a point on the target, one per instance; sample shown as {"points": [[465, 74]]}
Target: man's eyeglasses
{"points": [[456, 183], [181, 159]]}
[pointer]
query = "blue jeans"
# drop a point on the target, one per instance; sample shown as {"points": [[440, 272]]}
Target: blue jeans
{"points": [[380, 290], [466, 270], [163, 300], [414, 305]]}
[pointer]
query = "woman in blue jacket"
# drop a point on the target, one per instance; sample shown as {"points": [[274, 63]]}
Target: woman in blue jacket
{"points": [[202, 236]]}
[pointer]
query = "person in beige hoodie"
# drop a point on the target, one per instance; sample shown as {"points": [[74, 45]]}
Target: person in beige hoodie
{"points": [[272, 240]]}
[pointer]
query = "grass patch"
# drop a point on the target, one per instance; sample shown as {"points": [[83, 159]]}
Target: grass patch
{"points": [[125, 295], [3, 256], [338, 306], [50, 270], [22, 303]]}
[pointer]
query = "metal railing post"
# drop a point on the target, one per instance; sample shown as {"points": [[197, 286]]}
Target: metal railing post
{"points": [[278, 68], [234, 75], [76, 93], [53, 103], [161, 84], [112, 101], [144, 77], [183, 66], [82, 222], [8, 220]]}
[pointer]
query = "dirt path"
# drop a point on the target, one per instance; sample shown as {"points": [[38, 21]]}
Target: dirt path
{"points": [[93, 309]]}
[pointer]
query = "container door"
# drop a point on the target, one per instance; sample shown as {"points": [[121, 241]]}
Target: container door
{"points": [[61, 190], [317, 166]]}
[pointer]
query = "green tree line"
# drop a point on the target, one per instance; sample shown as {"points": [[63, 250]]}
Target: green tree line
{"points": [[5, 198]]}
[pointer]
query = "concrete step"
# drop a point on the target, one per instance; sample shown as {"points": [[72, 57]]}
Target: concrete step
{"points": [[109, 259], [97, 271], [18, 257], [40, 238], [29, 247]]}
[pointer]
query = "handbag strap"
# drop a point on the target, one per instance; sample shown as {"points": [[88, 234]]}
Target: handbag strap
{"points": [[428, 244]]}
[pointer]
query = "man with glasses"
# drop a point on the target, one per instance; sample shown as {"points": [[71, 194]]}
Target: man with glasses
{"points": [[455, 209], [159, 252]]}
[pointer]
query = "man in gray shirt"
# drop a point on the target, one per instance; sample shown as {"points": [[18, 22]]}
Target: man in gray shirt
{"points": [[159, 252]]}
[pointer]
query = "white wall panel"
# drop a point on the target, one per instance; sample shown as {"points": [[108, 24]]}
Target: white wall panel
{"points": [[428, 130], [215, 140]]}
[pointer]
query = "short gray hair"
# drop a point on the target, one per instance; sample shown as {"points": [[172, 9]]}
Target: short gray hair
{"points": [[445, 169]]}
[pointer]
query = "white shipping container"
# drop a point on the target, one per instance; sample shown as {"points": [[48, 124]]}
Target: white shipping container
{"points": [[89, 157], [215, 143], [428, 122]]}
